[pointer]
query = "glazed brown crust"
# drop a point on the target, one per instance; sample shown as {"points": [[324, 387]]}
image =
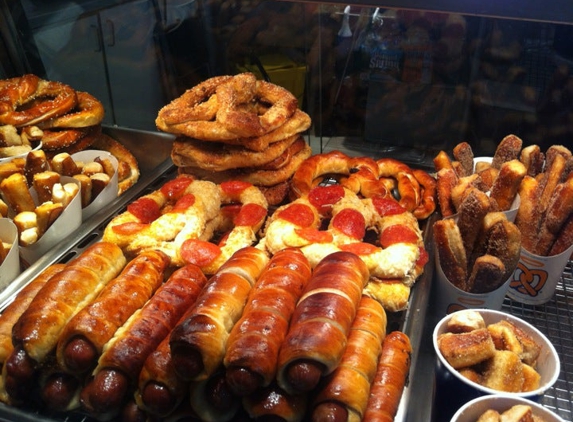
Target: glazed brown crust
{"points": [[390, 379], [39, 327], [21, 302], [323, 317], [255, 340], [451, 252], [350, 382], [97, 322]]}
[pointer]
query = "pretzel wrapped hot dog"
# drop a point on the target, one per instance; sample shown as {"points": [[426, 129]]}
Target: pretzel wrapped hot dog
{"points": [[124, 355], [36, 332], [13, 312], [390, 379], [321, 321], [254, 343], [198, 343], [83, 338], [160, 390], [344, 394], [274, 404]]}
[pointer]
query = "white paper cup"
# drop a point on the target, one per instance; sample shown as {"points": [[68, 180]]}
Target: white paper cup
{"points": [[472, 410], [451, 299], [111, 190], [24, 155], [453, 390], [65, 225], [536, 277], [10, 267]]}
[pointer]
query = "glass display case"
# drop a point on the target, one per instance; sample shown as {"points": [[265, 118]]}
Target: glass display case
{"points": [[374, 78], [403, 79]]}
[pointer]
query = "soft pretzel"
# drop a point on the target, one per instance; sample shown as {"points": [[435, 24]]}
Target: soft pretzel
{"points": [[51, 99], [197, 103], [242, 90], [89, 111], [507, 150]]}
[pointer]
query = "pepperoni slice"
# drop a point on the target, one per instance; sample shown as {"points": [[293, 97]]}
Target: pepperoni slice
{"points": [[350, 222], [128, 228], [231, 211], [423, 258], [323, 197], [314, 235], [175, 188], [145, 209], [199, 252], [250, 215], [385, 206], [299, 214], [234, 188], [359, 248], [397, 233], [183, 203]]}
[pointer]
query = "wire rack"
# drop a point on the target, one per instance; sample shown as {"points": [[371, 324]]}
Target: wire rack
{"points": [[555, 320]]}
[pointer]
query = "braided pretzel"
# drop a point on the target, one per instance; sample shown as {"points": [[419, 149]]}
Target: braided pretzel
{"points": [[51, 99]]}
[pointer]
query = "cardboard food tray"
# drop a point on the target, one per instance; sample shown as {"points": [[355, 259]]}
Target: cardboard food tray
{"points": [[154, 174]]}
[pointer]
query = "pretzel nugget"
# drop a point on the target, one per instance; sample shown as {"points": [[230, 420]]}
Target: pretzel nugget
{"points": [[46, 214], [27, 224], [506, 185], [16, 193], [507, 150], [99, 182], [92, 168], [36, 162], [107, 166], [44, 183], [64, 194], [464, 155], [85, 188], [3, 208], [64, 164]]}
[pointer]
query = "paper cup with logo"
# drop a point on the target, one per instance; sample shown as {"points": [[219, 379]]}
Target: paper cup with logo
{"points": [[10, 266], [536, 277], [450, 299], [64, 226], [110, 192]]}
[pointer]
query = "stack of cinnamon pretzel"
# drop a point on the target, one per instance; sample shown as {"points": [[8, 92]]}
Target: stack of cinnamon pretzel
{"points": [[238, 128]]}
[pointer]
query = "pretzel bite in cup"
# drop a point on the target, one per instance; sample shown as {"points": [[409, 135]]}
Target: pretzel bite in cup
{"points": [[524, 365]]}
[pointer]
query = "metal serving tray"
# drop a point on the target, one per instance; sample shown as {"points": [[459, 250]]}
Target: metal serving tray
{"points": [[153, 152]]}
